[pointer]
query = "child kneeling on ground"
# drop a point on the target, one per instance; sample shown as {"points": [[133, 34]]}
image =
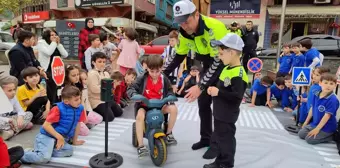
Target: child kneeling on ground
{"points": [[61, 126], [323, 110], [153, 85], [11, 123]]}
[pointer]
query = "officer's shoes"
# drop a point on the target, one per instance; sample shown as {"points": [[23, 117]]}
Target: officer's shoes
{"points": [[215, 165], [211, 153], [170, 139], [142, 152], [199, 145]]}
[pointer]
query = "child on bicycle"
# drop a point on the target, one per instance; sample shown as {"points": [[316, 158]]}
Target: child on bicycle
{"points": [[152, 85]]}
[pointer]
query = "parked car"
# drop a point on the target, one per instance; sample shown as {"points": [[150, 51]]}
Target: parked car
{"points": [[328, 45], [156, 46], [6, 41]]}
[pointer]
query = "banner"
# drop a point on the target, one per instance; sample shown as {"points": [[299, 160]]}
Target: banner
{"points": [[89, 3], [235, 8]]}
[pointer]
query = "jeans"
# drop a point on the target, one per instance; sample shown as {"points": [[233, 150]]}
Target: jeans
{"points": [[44, 149]]}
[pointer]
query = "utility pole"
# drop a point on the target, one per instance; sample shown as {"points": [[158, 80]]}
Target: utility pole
{"points": [[133, 14], [282, 21]]}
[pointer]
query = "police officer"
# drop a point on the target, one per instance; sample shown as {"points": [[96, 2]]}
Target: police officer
{"points": [[235, 29], [227, 97], [196, 32]]}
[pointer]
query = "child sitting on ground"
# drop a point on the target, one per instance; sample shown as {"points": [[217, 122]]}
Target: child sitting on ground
{"points": [[153, 85], [13, 122], [32, 96], [72, 77], [117, 78], [191, 80], [95, 47], [323, 111], [285, 62], [62, 125], [276, 90], [303, 112], [129, 77], [93, 86], [10, 157], [260, 90], [289, 96]]}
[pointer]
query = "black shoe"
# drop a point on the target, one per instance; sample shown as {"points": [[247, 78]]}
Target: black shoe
{"points": [[199, 145], [211, 153], [142, 152], [215, 165]]}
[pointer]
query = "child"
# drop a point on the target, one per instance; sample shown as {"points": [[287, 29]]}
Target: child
{"points": [[191, 80], [95, 47], [11, 123], [227, 97], [276, 90], [129, 77], [72, 77], [11, 156], [32, 96], [117, 78], [289, 96], [93, 86], [153, 85], [61, 126], [298, 58], [108, 47], [303, 112], [316, 87], [323, 111], [129, 51], [285, 62], [312, 55], [260, 90]]}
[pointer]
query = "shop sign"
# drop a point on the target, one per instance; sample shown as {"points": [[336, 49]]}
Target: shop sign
{"points": [[35, 16], [90, 3], [68, 32], [235, 8]]}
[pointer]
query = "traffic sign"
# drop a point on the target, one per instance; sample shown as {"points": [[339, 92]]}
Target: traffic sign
{"points": [[338, 75], [255, 65], [58, 70], [302, 76]]}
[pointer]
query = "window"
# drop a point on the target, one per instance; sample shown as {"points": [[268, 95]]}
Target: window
{"points": [[324, 42], [169, 11], [163, 40]]}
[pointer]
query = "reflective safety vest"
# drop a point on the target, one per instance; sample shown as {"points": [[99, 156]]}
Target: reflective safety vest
{"points": [[209, 29], [227, 74], [238, 32]]}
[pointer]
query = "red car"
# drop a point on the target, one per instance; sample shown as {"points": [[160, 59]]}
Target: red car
{"points": [[156, 46]]}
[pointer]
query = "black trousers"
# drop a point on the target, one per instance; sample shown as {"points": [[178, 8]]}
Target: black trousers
{"points": [[112, 109], [280, 74], [224, 133], [247, 54], [15, 154], [51, 89], [37, 107], [261, 100], [205, 113]]}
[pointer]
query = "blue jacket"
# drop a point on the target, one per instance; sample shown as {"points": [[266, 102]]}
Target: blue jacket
{"points": [[68, 120], [289, 98], [286, 63]]}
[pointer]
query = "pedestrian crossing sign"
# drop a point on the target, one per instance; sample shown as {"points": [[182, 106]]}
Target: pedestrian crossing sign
{"points": [[302, 76]]}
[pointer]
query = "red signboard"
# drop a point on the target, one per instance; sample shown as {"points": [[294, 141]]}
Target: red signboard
{"points": [[35, 16], [58, 70]]}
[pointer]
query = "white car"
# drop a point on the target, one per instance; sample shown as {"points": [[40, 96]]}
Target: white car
{"points": [[6, 41]]}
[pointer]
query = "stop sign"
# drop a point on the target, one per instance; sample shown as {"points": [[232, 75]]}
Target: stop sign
{"points": [[58, 70]]}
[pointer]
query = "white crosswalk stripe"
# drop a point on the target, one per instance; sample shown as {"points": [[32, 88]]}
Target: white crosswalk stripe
{"points": [[262, 119], [329, 152], [95, 142]]}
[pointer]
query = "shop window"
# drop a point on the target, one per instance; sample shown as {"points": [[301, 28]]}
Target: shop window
{"points": [[169, 11], [316, 28]]}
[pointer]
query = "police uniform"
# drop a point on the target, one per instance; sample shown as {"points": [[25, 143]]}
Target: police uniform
{"points": [[231, 86], [199, 42]]}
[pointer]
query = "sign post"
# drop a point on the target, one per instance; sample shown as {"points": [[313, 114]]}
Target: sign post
{"points": [[255, 65], [301, 76], [58, 70]]}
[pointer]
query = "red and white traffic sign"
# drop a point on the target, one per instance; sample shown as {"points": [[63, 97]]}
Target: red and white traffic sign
{"points": [[58, 70], [338, 75]]}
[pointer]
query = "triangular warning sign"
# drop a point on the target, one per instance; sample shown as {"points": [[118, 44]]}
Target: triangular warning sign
{"points": [[301, 78]]}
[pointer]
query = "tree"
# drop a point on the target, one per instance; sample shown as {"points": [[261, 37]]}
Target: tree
{"points": [[12, 5]]}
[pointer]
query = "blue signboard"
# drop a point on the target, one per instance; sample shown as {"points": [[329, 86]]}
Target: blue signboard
{"points": [[255, 65], [302, 76], [235, 8]]}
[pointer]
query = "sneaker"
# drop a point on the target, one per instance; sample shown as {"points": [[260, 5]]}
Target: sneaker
{"points": [[142, 152], [170, 139], [244, 100]]}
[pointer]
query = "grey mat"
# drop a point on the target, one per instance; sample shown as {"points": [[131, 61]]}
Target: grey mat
{"points": [[262, 142]]}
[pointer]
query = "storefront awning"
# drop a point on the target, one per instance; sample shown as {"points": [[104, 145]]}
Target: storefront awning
{"points": [[306, 11], [144, 26]]}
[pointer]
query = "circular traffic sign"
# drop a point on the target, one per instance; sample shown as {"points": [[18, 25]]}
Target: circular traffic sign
{"points": [[255, 65], [58, 70]]}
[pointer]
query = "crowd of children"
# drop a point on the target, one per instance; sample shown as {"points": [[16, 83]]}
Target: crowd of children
{"points": [[318, 103]]}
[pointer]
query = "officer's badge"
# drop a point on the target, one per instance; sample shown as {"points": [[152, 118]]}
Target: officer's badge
{"points": [[204, 42], [227, 82]]}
